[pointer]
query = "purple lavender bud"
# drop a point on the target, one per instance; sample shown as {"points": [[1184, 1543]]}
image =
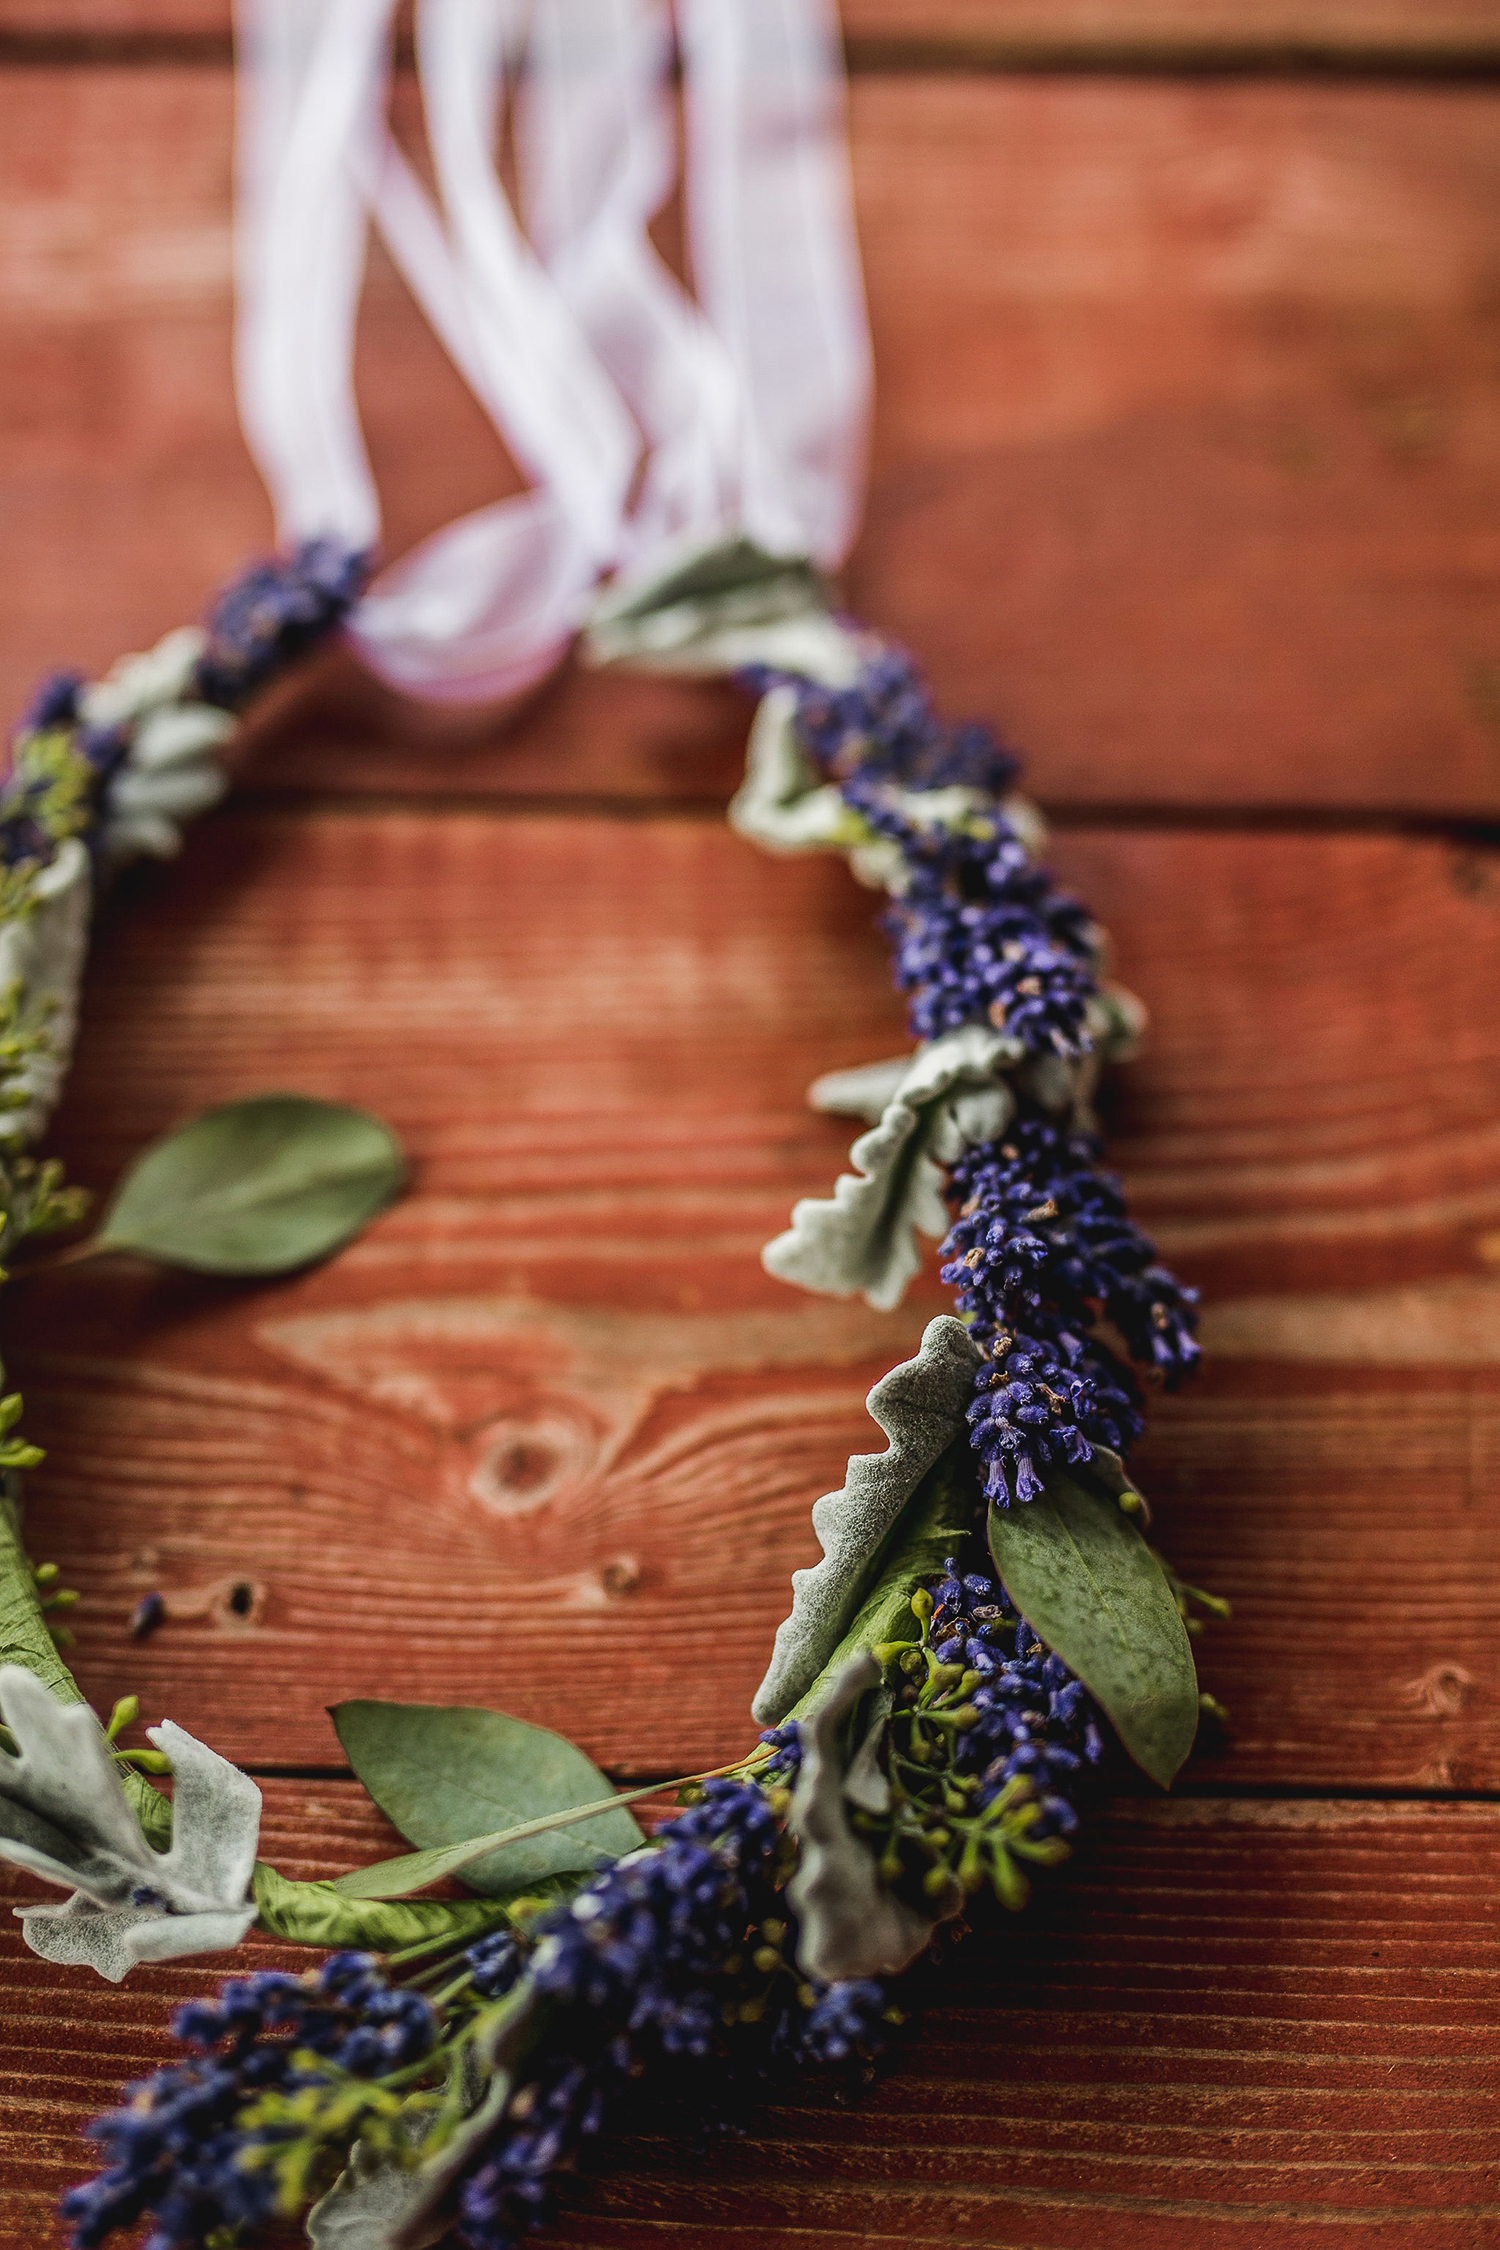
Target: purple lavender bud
{"points": [[786, 1741], [274, 613], [54, 703], [1035, 1718], [149, 1612], [178, 2149]]}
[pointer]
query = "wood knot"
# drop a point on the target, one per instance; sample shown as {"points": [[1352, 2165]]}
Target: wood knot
{"points": [[1440, 1692], [527, 1462]]}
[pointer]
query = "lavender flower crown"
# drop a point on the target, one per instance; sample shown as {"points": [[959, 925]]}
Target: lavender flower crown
{"points": [[985, 1620]]}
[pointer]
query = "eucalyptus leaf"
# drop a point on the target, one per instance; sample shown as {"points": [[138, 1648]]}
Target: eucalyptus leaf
{"points": [[24, 1638], [260, 1187], [449, 1775], [319, 1914], [1089, 1586], [414, 1871]]}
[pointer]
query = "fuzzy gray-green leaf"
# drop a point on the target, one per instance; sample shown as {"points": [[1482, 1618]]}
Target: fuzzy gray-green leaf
{"points": [[448, 1775], [1085, 1580], [259, 1187], [930, 1528]]}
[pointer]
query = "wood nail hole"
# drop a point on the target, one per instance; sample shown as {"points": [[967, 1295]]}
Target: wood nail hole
{"points": [[522, 1465], [238, 1604]]}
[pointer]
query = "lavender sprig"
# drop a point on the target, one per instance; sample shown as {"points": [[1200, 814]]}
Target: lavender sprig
{"points": [[63, 767], [980, 935], [676, 1965], [1040, 1248], [194, 2146], [1041, 1229], [679, 1961], [886, 727], [273, 614]]}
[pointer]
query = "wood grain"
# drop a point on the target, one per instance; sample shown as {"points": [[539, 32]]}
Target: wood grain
{"points": [[1186, 469], [1003, 34], [550, 1418], [1232, 2024], [1370, 35], [1185, 472]]}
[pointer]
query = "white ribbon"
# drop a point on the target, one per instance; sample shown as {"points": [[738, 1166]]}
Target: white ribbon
{"points": [[596, 148], [643, 420], [772, 236]]}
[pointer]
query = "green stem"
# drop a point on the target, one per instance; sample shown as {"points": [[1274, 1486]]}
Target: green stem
{"points": [[443, 1942], [49, 1260]]}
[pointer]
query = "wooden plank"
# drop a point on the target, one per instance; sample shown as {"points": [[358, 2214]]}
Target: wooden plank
{"points": [[993, 34], [1187, 461], [550, 1417], [1371, 35], [1228, 2024]]}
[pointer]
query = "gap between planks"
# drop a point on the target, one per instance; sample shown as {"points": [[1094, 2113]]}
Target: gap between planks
{"points": [[1204, 1793], [1250, 820], [1034, 50]]}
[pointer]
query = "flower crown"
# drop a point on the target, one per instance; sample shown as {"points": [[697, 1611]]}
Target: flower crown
{"points": [[986, 1620]]}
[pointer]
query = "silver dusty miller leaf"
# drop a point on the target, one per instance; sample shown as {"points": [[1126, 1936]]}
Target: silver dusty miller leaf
{"points": [[863, 1239], [171, 770], [867, 1091], [378, 2203], [784, 805], [719, 608], [848, 1923], [781, 803], [65, 1817], [920, 1406]]}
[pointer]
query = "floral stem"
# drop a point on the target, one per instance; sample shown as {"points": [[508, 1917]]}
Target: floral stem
{"points": [[90, 1247]]}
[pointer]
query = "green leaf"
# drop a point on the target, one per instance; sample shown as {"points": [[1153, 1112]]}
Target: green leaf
{"points": [[259, 1187], [414, 1871], [1086, 1582], [24, 1638], [449, 1776], [318, 1914], [929, 1528]]}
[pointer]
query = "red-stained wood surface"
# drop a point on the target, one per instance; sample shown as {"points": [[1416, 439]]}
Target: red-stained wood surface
{"points": [[549, 1415], [1224, 2025], [1393, 33], [1186, 470], [1187, 458]]}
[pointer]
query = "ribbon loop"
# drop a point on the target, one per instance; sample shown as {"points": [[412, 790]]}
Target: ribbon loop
{"points": [[648, 422]]}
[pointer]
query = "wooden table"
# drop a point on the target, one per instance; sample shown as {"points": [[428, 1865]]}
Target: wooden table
{"points": [[1187, 472]]}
